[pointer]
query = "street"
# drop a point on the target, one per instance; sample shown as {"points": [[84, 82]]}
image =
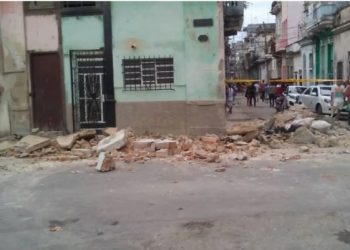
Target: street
{"points": [[260, 204]]}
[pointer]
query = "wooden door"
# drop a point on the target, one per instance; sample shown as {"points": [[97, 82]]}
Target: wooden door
{"points": [[47, 94]]}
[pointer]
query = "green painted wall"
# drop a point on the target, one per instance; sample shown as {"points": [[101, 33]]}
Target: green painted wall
{"points": [[79, 33], [166, 29]]}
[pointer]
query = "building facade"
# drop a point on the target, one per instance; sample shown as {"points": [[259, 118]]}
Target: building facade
{"points": [[153, 66]]}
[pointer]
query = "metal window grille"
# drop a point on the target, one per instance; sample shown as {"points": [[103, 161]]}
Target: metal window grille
{"points": [[148, 73], [88, 71]]}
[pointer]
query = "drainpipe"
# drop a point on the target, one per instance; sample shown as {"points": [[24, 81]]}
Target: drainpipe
{"points": [[108, 50]]}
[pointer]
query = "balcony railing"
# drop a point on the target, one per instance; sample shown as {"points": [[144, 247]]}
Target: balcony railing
{"points": [[322, 16], [233, 17]]}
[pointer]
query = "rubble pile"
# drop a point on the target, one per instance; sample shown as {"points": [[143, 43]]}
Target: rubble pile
{"points": [[243, 140]]}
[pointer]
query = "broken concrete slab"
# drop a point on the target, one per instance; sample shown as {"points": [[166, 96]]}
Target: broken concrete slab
{"points": [[213, 157], [113, 142], [304, 149], [303, 136], [67, 141], [143, 143], [31, 143], [250, 136], [210, 138], [165, 144], [321, 126], [110, 131], [201, 154], [86, 133], [4, 145], [241, 129], [104, 163], [162, 153]]}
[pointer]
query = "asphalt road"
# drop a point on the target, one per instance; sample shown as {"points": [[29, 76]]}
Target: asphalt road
{"points": [[263, 204]]}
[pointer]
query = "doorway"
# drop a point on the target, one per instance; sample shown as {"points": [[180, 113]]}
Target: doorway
{"points": [[47, 94], [94, 104]]}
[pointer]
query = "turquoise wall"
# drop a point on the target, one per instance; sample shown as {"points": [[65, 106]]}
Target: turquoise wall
{"points": [[166, 29], [79, 33]]}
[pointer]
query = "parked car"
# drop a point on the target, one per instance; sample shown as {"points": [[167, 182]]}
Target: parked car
{"points": [[317, 98], [293, 93]]}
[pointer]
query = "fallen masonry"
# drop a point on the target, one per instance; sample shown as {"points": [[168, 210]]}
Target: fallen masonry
{"points": [[242, 141]]}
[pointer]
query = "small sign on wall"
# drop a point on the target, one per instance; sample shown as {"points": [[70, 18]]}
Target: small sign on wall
{"points": [[205, 22]]}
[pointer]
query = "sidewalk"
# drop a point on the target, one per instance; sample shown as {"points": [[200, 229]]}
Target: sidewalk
{"points": [[242, 112]]}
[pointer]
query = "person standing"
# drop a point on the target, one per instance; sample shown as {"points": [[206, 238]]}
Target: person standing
{"points": [[251, 95], [347, 99], [231, 92], [256, 86], [337, 98], [262, 89], [272, 95]]}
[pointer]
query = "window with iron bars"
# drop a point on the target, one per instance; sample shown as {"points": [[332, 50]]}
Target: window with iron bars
{"points": [[148, 73]]}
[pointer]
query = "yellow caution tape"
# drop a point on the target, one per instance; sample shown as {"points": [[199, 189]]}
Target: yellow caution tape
{"points": [[281, 81]]}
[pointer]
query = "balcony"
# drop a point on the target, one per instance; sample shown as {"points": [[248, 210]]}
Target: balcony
{"points": [[276, 7], [321, 17], [233, 17]]}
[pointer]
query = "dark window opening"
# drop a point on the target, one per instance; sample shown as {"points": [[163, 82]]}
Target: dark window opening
{"points": [[76, 4], [148, 73]]}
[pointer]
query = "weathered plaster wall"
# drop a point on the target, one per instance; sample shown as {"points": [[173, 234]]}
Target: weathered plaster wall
{"points": [[170, 32], [341, 43], [341, 51], [157, 30], [78, 33], [204, 61], [41, 33], [14, 110], [196, 105]]}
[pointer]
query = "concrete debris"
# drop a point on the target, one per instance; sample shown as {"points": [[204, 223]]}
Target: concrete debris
{"points": [[162, 153], [304, 149], [201, 154], [213, 157], [251, 135], [303, 136], [67, 141], [210, 138], [5, 145], [110, 131], [222, 169], [105, 163], [117, 141], [31, 143], [321, 126], [241, 143], [241, 129]]}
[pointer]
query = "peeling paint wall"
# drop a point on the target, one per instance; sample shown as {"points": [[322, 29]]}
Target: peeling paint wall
{"points": [[78, 33], [14, 109], [41, 33], [168, 31]]}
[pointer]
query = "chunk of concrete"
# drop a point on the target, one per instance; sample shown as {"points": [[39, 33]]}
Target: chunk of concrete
{"points": [[110, 131], [31, 143], [250, 136], [67, 141], [165, 144], [303, 136], [104, 163], [321, 126], [117, 141], [86, 133], [145, 144], [162, 153], [4, 145], [241, 129], [210, 138]]}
